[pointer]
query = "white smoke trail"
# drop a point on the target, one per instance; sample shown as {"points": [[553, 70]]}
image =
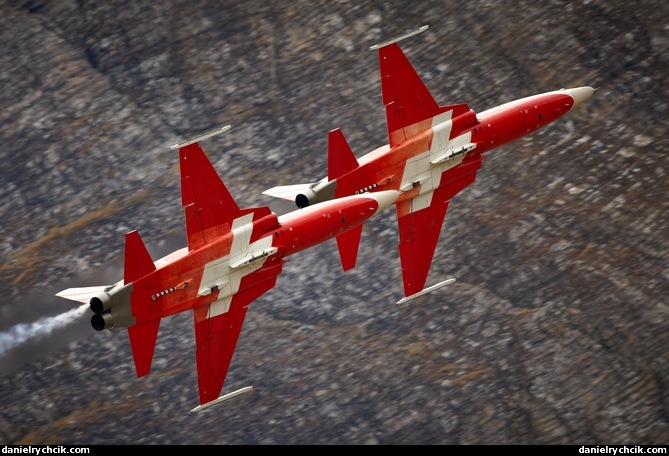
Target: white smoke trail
{"points": [[18, 334]]}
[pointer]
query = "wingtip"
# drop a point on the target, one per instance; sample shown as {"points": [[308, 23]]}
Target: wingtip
{"points": [[399, 38], [225, 397], [199, 138], [426, 291]]}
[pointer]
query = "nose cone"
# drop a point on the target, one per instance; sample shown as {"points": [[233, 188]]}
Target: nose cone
{"points": [[385, 198], [580, 94]]}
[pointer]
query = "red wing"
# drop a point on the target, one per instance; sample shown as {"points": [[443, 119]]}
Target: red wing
{"points": [[216, 333], [209, 207], [409, 104], [419, 233], [419, 230]]}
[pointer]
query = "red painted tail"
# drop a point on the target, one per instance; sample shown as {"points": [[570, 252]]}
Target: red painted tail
{"points": [[137, 266], [137, 261], [348, 244], [340, 156]]}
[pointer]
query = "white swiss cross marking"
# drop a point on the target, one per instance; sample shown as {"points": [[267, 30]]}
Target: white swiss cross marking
{"points": [[418, 169], [219, 277]]}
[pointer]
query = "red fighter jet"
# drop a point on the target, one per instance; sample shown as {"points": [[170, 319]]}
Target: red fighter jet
{"points": [[434, 152], [233, 256]]}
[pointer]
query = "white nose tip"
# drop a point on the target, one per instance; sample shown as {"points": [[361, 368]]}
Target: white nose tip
{"points": [[580, 94], [384, 198]]}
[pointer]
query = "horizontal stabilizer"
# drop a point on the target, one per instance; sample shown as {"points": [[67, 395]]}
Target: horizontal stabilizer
{"points": [[137, 261], [348, 243], [340, 156], [143, 343]]}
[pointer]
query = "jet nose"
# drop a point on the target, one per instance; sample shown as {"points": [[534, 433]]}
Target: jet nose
{"points": [[384, 198], [580, 94]]}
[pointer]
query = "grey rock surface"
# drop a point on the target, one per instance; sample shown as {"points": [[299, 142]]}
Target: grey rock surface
{"points": [[554, 333]]}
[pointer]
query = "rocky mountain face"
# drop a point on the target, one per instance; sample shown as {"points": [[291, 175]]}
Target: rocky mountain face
{"points": [[556, 330]]}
